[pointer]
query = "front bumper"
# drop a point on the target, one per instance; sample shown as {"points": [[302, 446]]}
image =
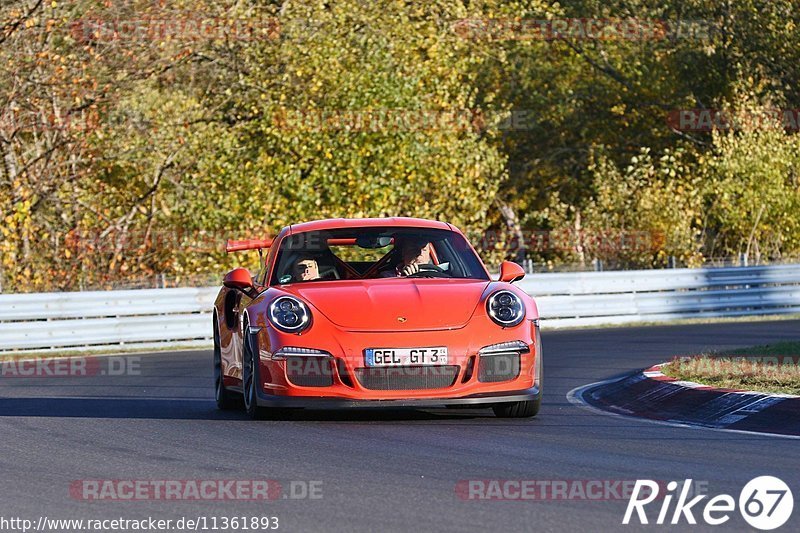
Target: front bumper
{"points": [[343, 386], [315, 402]]}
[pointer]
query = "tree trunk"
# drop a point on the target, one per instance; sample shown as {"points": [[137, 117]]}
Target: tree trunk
{"points": [[579, 250], [519, 249]]}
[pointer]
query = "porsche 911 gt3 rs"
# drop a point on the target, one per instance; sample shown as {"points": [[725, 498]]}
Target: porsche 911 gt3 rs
{"points": [[374, 312]]}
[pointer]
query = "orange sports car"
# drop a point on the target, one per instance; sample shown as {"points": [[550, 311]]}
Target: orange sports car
{"points": [[374, 312]]}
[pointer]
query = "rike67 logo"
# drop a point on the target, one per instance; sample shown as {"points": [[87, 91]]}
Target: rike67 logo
{"points": [[765, 503]]}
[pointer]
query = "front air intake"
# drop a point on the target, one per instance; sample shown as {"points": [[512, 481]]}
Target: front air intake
{"points": [[308, 371], [499, 367], [407, 377]]}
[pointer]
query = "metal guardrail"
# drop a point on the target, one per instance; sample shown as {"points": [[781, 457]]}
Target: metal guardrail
{"points": [[103, 319], [164, 317], [593, 298]]}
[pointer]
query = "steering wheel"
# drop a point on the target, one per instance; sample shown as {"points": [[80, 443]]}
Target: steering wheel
{"points": [[430, 271]]}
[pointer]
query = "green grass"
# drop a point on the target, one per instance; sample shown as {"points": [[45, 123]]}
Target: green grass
{"points": [[790, 348], [691, 321], [766, 368]]}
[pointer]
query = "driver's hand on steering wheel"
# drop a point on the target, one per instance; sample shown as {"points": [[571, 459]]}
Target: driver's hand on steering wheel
{"points": [[408, 270]]}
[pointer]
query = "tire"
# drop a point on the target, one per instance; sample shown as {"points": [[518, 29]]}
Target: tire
{"points": [[250, 380], [526, 409], [226, 399]]}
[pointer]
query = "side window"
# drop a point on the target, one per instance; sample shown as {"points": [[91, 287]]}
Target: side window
{"points": [[446, 255]]}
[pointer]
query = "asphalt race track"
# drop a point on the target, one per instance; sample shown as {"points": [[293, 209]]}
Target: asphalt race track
{"points": [[380, 470]]}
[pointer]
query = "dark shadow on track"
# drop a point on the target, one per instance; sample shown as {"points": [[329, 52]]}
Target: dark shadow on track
{"points": [[195, 409]]}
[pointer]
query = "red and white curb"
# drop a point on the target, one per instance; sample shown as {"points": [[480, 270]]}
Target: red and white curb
{"points": [[651, 395]]}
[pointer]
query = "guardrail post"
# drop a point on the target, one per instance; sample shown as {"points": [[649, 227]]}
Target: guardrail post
{"points": [[529, 266]]}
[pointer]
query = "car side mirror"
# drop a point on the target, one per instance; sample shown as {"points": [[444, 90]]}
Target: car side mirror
{"points": [[511, 272], [238, 278]]}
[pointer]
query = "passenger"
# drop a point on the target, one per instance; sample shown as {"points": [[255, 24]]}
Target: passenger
{"points": [[306, 269]]}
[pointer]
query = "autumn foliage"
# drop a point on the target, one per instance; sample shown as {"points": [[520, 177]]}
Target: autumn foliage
{"points": [[136, 137]]}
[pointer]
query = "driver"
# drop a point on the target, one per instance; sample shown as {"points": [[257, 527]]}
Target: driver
{"points": [[305, 269], [413, 253]]}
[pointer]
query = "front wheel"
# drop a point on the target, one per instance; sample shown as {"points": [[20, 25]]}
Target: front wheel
{"points": [[250, 380], [527, 408], [226, 399]]}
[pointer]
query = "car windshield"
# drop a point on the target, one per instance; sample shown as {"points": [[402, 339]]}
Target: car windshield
{"points": [[375, 252]]}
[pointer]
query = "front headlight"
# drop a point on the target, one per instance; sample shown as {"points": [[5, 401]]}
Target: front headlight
{"points": [[289, 314], [505, 308]]}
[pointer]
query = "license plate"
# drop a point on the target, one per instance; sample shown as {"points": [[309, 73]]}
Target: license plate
{"points": [[406, 356]]}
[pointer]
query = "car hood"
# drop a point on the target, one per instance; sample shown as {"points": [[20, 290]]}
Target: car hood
{"points": [[394, 304]]}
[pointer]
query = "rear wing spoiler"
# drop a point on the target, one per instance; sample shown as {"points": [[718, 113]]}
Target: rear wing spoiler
{"points": [[251, 244]]}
